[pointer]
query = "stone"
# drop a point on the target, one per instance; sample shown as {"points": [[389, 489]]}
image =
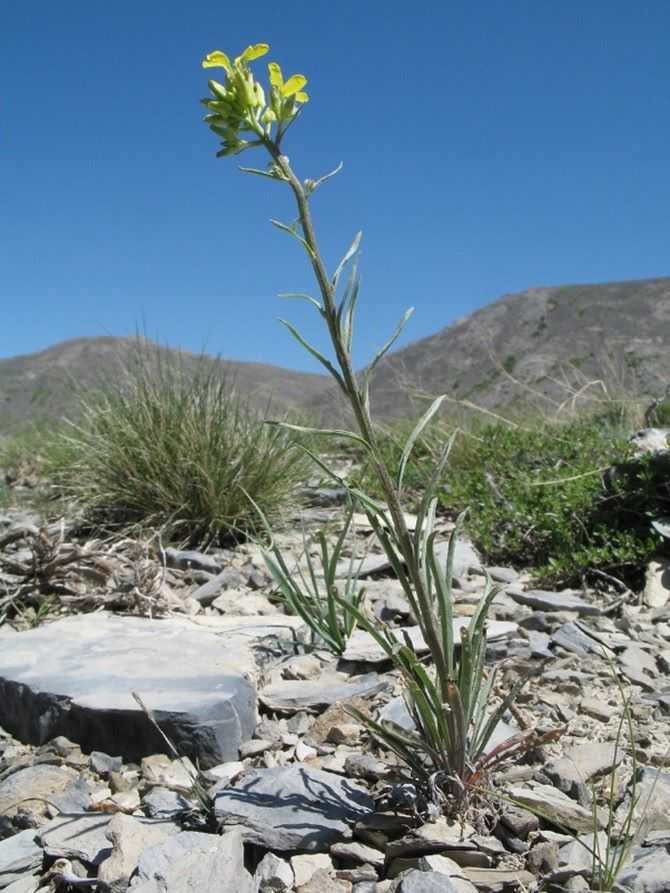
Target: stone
{"points": [[77, 797], [242, 602], [27, 884], [155, 861], [304, 666], [578, 854], [40, 782], [295, 808], [305, 866], [358, 853], [103, 764], [362, 648], [287, 696], [225, 772], [129, 837], [186, 559], [539, 644], [366, 766], [163, 803], [648, 872], [657, 583], [85, 839], [553, 601], [519, 821], [303, 752], [230, 578], [573, 637], [582, 763], [323, 882], [19, 855], [255, 747], [201, 691], [597, 709], [344, 733], [638, 666], [274, 875], [433, 837], [415, 881], [126, 801], [542, 858], [503, 574], [497, 880], [652, 792], [554, 806], [177, 775], [466, 557], [221, 867]]}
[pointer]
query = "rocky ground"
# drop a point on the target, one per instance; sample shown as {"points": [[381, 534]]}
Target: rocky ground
{"points": [[293, 794]]}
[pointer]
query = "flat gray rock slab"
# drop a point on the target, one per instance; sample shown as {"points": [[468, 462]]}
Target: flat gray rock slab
{"points": [[320, 693], [293, 808], [40, 781], [573, 637], [553, 601], [649, 871], [220, 868], [75, 678], [19, 856], [156, 860], [362, 648], [582, 763], [84, 837], [555, 806]]}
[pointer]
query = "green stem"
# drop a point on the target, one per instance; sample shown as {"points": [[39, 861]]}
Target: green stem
{"points": [[361, 413]]}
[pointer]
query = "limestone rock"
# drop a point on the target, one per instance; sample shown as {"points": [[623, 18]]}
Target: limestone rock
{"points": [[129, 837], [295, 808], [75, 677], [221, 867]]}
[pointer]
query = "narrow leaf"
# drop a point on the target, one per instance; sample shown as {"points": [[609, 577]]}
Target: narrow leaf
{"points": [[261, 173], [299, 295], [353, 248], [327, 432], [411, 440], [315, 353], [291, 231], [314, 184]]}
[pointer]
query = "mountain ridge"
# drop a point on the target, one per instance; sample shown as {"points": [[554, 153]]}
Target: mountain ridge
{"points": [[540, 346]]}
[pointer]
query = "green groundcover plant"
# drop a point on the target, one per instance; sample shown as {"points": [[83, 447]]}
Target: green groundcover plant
{"points": [[450, 700], [566, 499]]}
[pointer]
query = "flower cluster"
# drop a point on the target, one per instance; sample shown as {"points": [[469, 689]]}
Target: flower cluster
{"points": [[240, 105]]}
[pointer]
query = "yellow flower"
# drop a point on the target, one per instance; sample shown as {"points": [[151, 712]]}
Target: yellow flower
{"points": [[292, 87], [239, 104]]}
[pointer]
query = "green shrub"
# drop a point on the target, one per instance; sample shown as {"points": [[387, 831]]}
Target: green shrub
{"points": [[175, 447], [543, 499], [540, 496]]}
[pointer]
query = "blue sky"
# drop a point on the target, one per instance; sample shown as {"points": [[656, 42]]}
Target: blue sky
{"points": [[488, 147]]}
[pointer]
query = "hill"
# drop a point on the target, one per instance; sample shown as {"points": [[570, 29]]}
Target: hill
{"points": [[47, 385], [538, 346]]}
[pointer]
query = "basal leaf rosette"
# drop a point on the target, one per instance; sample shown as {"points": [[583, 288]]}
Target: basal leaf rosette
{"points": [[240, 105]]}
